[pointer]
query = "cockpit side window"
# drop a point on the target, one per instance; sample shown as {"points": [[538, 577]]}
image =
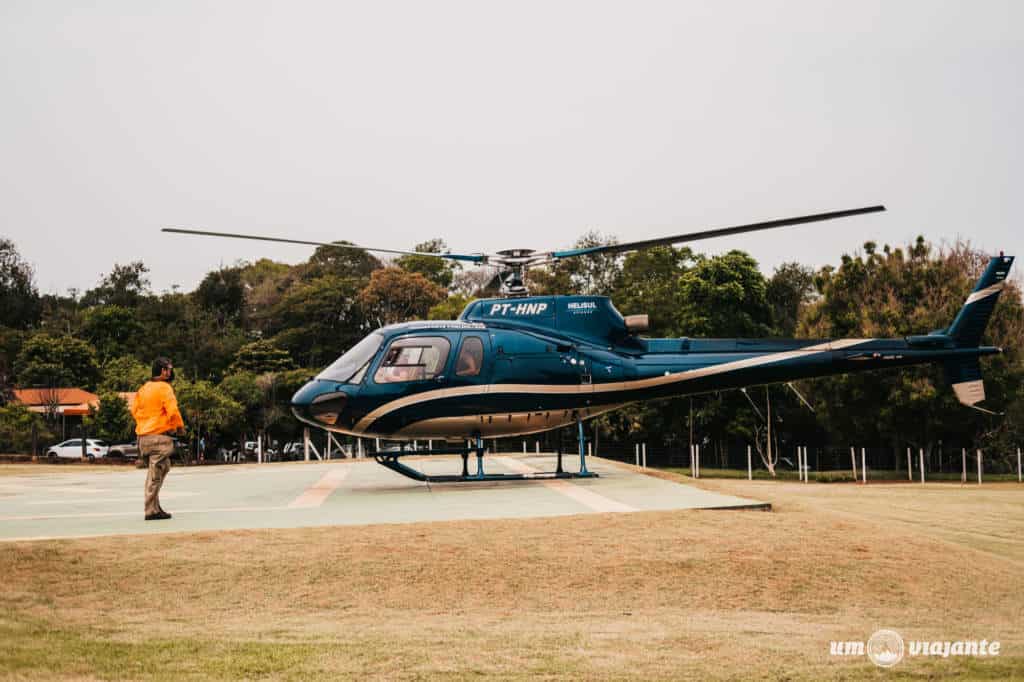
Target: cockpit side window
{"points": [[471, 357], [413, 358]]}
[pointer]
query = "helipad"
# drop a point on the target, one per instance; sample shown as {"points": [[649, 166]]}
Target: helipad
{"points": [[84, 502]]}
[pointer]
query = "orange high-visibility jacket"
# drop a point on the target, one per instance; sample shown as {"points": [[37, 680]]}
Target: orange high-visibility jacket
{"points": [[156, 409]]}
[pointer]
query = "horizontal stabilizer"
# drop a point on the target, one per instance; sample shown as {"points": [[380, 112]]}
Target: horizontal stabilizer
{"points": [[965, 377]]}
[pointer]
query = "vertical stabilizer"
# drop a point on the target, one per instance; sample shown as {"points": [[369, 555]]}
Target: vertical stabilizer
{"points": [[972, 319]]}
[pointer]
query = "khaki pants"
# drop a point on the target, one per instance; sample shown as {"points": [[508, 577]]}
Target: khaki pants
{"points": [[158, 449]]}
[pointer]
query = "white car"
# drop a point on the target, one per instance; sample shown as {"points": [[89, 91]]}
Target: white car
{"points": [[72, 449]]}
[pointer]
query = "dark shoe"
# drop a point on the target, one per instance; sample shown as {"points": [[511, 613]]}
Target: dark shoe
{"points": [[160, 515]]}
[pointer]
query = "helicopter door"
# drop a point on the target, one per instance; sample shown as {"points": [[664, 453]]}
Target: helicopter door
{"points": [[472, 364]]}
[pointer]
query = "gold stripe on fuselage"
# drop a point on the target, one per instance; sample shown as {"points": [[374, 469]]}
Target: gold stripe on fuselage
{"points": [[590, 389]]}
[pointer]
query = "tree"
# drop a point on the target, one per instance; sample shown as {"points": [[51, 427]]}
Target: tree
{"points": [[649, 283], [20, 306], [724, 296], [125, 285], [893, 294], [394, 295], [206, 408], [222, 293], [260, 357], [789, 289], [112, 330], [587, 275], [315, 321], [440, 271], [111, 420], [47, 360], [450, 308], [332, 261], [123, 375], [17, 424]]}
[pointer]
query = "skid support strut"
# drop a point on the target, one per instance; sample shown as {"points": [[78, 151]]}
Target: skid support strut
{"points": [[390, 459]]}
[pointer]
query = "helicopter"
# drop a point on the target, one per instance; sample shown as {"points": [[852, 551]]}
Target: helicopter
{"points": [[517, 364]]}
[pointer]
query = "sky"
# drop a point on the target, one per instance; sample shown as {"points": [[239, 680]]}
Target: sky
{"points": [[500, 125]]}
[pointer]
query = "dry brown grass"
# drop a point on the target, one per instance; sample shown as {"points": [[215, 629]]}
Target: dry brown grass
{"points": [[644, 596]]}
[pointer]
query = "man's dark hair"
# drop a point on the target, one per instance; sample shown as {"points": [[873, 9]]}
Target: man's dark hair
{"points": [[158, 366]]}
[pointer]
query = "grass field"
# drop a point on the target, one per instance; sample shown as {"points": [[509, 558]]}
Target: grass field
{"points": [[654, 595]]}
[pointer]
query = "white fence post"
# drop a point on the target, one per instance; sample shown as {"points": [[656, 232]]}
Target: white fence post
{"points": [[979, 467], [963, 473], [590, 449], [799, 464], [259, 448], [305, 443], [636, 454], [1018, 466], [920, 463], [643, 455], [853, 460], [537, 444], [750, 466], [910, 467], [807, 466], [697, 446], [864, 464], [329, 439]]}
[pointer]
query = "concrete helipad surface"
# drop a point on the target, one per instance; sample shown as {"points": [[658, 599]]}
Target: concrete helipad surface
{"points": [[84, 502]]}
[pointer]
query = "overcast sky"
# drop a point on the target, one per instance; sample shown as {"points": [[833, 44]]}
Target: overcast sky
{"points": [[500, 125]]}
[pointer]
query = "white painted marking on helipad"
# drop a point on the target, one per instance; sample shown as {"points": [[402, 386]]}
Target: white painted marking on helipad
{"points": [[588, 498], [315, 495]]}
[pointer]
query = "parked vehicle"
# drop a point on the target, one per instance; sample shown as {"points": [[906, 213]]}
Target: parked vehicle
{"points": [[124, 451], [293, 450], [72, 449]]}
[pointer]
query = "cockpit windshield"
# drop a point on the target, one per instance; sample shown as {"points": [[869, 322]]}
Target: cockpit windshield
{"points": [[351, 367]]}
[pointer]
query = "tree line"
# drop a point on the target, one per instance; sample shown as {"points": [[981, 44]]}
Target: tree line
{"points": [[250, 334]]}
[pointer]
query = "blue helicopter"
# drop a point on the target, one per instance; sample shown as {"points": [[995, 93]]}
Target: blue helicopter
{"points": [[518, 364]]}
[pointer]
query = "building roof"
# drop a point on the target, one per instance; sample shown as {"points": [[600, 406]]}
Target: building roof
{"points": [[41, 397]]}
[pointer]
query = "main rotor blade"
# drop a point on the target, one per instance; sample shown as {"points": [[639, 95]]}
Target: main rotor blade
{"points": [[719, 232], [478, 258]]}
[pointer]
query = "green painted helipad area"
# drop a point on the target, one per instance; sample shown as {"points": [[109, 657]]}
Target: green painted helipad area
{"points": [[84, 501]]}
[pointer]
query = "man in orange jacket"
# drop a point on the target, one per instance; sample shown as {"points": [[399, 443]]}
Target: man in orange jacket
{"points": [[156, 417]]}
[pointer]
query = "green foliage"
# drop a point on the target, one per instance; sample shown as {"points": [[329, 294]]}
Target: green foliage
{"points": [[724, 296], [57, 361], [206, 407], [112, 330], [450, 308], [327, 261], [16, 423], [594, 274], [20, 305], [222, 293], [111, 420], [260, 357], [789, 289], [394, 295], [649, 283], [123, 375], [125, 285], [316, 320], [437, 270], [892, 294]]}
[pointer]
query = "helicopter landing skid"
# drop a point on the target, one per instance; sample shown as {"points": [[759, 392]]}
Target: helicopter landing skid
{"points": [[390, 460]]}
